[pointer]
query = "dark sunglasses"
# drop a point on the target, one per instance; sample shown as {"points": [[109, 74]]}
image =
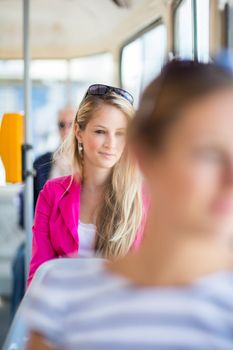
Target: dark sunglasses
{"points": [[62, 125], [101, 90]]}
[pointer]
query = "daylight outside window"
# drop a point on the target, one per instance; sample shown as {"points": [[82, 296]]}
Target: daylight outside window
{"points": [[142, 59], [183, 19], [203, 13]]}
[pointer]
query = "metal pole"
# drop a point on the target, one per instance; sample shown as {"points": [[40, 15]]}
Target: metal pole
{"points": [[195, 48], [28, 194]]}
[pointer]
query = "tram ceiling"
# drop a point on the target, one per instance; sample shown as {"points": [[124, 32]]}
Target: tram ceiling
{"points": [[71, 28]]}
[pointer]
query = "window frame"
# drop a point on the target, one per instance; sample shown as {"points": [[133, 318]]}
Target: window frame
{"points": [[228, 25]]}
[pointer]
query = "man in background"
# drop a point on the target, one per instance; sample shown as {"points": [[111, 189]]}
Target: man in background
{"points": [[44, 166]]}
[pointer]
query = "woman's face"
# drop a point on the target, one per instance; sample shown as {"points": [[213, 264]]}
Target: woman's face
{"points": [[104, 137], [191, 179]]}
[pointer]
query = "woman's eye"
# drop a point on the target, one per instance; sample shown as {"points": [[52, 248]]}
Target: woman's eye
{"points": [[120, 133], [99, 131]]}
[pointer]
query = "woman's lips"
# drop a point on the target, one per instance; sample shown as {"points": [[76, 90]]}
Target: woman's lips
{"points": [[107, 155]]}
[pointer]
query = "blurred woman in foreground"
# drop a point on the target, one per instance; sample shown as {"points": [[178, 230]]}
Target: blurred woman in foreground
{"points": [[176, 291]]}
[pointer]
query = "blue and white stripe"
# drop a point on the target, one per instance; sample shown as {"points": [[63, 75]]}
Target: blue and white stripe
{"points": [[91, 309]]}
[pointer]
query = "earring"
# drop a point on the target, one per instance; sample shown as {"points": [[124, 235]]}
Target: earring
{"points": [[80, 149]]}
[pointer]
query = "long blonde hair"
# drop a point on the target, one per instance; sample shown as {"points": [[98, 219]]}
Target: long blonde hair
{"points": [[121, 211]]}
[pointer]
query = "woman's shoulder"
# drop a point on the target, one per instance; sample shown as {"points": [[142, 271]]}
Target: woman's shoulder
{"points": [[60, 181], [63, 182], [60, 185], [72, 274]]}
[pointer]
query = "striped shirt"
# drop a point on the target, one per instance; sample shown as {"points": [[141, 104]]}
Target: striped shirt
{"points": [[93, 309]]}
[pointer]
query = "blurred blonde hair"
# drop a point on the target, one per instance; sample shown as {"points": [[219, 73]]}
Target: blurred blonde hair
{"points": [[121, 211]]}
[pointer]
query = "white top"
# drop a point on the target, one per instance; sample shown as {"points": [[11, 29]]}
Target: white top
{"points": [[86, 234], [93, 309]]}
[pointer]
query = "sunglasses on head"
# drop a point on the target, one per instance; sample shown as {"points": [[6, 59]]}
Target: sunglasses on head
{"points": [[101, 90], [62, 125]]}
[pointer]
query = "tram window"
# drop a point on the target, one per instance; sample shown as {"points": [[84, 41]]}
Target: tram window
{"points": [[94, 68], [142, 59], [11, 69], [132, 68], [183, 20], [48, 70], [90, 70], [202, 11], [154, 48]]}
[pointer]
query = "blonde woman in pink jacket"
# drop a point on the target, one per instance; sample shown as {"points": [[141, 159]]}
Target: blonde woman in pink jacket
{"points": [[100, 209]]}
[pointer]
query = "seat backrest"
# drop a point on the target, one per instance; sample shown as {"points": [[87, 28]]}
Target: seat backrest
{"points": [[18, 334]]}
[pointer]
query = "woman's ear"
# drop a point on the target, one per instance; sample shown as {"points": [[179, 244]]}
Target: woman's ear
{"points": [[78, 133]]}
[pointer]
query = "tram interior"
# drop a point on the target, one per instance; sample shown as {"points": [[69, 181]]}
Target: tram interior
{"points": [[75, 43]]}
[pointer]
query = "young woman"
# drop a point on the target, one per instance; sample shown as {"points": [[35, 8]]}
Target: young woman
{"points": [[99, 209], [175, 292]]}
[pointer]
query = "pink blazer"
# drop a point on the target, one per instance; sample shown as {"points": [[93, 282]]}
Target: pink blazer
{"points": [[55, 228]]}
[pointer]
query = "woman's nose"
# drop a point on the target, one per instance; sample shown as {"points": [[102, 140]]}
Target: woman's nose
{"points": [[110, 141]]}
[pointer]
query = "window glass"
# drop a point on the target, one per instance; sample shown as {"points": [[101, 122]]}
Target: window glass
{"points": [[202, 8], [90, 70], [96, 68], [132, 68], [154, 48], [142, 60], [48, 70], [184, 30], [11, 69]]}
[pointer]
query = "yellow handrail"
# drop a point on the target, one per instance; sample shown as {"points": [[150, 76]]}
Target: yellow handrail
{"points": [[11, 141]]}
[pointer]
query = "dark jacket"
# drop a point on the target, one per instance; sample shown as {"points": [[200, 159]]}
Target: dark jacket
{"points": [[42, 166]]}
